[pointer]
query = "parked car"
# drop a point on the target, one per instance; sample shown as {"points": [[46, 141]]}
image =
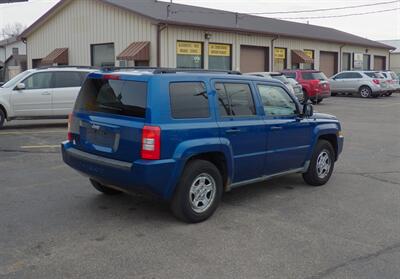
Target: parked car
{"points": [[294, 87], [393, 82], [315, 84], [188, 137], [48, 92], [364, 83]]}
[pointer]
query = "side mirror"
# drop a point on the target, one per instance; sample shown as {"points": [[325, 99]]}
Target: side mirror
{"points": [[20, 86], [308, 110]]}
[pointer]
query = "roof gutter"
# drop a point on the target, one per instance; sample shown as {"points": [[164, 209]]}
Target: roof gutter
{"points": [[340, 58], [160, 28]]}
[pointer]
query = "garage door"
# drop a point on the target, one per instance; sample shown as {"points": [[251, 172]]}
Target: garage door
{"points": [[253, 59], [379, 63], [328, 63]]}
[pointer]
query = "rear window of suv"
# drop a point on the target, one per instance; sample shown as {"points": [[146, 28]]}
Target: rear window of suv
{"points": [[314, 76], [113, 96]]}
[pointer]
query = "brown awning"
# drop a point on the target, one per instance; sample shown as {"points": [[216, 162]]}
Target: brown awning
{"points": [[138, 51], [298, 56], [58, 56]]}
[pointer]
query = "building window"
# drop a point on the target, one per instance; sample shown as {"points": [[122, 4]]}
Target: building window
{"points": [[358, 61], [102, 55], [15, 50], [346, 62], [366, 62], [280, 59], [189, 55], [219, 57]]}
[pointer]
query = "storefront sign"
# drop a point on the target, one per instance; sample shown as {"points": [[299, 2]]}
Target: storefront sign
{"points": [[309, 53], [280, 53], [188, 48], [219, 50]]}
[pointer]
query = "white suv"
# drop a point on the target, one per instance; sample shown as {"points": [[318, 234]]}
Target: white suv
{"points": [[41, 93]]}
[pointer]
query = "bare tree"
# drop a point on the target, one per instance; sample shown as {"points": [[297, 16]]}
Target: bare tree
{"points": [[12, 30]]}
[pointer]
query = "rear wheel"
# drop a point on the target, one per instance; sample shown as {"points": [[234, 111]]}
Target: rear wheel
{"points": [[198, 192], [2, 118], [319, 101], [333, 93], [321, 164], [104, 189], [365, 91], [388, 94]]}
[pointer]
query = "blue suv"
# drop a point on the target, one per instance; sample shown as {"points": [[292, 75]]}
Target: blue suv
{"points": [[189, 136]]}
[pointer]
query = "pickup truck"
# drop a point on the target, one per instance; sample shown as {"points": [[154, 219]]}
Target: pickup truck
{"points": [[189, 136]]}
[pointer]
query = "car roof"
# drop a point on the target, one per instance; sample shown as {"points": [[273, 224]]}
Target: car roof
{"points": [[65, 69]]}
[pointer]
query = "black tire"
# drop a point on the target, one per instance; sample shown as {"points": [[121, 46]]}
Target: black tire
{"points": [[182, 205], [333, 94], [312, 177], [2, 118], [319, 101], [365, 92], [388, 94], [104, 189]]}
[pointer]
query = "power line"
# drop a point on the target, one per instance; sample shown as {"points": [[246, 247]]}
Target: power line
{"points": [[326, 9], [345, 15]]}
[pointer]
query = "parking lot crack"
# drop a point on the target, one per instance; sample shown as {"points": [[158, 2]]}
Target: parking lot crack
{"points": [[355, 260]]}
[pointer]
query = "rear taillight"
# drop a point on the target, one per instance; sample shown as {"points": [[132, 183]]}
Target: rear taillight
{"points": [[69, 134], [73, 128], [151, 137], [376, 81]]}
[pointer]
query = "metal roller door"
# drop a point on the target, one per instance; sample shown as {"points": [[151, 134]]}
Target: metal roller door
{"points": [[253, 59], [328, 63], [379, 63]]}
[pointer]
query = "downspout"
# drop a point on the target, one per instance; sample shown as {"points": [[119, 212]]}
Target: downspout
{"points": [[340, 58], [160, 28], [272, 52]]}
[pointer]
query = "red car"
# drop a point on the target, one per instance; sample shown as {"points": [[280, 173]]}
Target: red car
{"points": [[315, 84]]}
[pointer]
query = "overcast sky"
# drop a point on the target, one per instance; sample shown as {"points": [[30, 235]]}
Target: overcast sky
{"points": [[377, 26]]}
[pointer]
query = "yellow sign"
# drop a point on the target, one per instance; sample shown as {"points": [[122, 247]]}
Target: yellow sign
{"points": [[309, 53], [188, 48], [279, 53], [219, 50]]}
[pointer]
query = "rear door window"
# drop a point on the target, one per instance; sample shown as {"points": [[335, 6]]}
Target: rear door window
{"points": [[189, 100], [119, 97], [235, 99], [67, 79]]}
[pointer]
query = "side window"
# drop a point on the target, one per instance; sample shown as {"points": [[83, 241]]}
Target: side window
{"points": [[235, 99], [354, 75], [189, 100], [276, 101], [67, 79], [38, 81], [341, 76]]}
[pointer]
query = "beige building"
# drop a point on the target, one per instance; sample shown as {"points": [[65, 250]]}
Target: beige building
{"points": [[147, 32], [394, 60]]}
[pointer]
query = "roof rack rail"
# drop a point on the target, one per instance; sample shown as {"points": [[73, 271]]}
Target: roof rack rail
{"points": [[67, 66], [161, 70]]}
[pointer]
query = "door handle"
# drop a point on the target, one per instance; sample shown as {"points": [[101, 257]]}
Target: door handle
{"points": [[46, 93], [276, 128], [232, 131]]}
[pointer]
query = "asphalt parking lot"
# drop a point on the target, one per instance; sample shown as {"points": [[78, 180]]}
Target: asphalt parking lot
{"points": [[54, 225]]}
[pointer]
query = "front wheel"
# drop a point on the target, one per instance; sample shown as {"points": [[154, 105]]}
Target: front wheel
{"points": [[388, 94], [2, 118], [198, 192], [321, 164]]}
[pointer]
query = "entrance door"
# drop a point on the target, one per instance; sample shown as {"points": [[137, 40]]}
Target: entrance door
{"points": [[328, 63], [254, 59], [239, 123], [35, 99], [288, 135], [379, 63]]}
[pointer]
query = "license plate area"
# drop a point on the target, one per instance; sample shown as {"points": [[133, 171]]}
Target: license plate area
{"points": [[101, 138]]}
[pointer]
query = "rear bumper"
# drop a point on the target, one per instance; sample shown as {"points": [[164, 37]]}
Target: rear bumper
{"points": [[155, 177]]}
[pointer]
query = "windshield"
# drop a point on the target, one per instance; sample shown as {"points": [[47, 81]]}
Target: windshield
{"points": [[281, 78], [314, 75], [12, 82]]}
